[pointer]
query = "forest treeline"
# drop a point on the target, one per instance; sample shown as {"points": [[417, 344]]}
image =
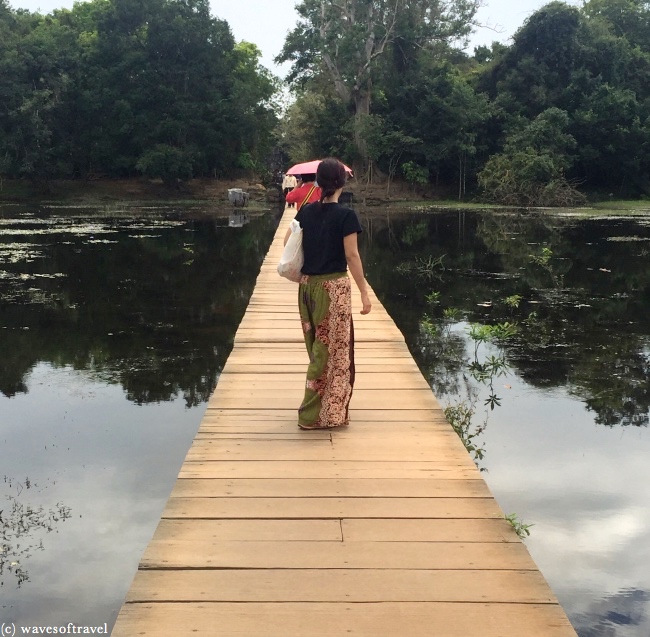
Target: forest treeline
{"points": [[125, 87], [563, 110], [161, 88]]}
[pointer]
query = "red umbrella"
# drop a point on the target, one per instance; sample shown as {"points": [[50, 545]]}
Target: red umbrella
{"points": [[309, 168]]}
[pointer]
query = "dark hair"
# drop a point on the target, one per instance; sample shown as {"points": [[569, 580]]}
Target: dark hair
{"points": [[330, 177], [308, 178]]}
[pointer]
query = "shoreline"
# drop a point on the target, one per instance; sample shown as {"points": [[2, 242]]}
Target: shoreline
{"points": [[403, 197]]}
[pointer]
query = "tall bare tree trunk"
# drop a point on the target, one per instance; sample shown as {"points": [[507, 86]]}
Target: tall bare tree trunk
{"points": [[361, 110]]}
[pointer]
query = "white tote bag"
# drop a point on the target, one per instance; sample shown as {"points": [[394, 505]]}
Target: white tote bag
{"points": [[292, 257]]}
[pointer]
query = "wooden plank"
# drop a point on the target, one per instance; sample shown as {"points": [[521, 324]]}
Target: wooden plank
{"points": [[330, 508], [242, 432], [349, 530], [327, 488], [247, 530], [335, 469], [404, 399], [369, 381], [291, 318], [413, 619], [289, 334], [268, 429], [300, 367], [399, 399], [359, 430], [300, 357], [349, 555], [324, 451], [341, 585], [284, 336], [203, 450], [361, 348], [428, 530], [356, 415]]}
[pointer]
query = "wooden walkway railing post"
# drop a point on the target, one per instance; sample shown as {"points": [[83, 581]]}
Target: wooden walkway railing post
{"points": [[385, 528]]}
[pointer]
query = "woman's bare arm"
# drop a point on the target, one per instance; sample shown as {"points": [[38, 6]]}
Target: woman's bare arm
{"points": [[356, 269]]}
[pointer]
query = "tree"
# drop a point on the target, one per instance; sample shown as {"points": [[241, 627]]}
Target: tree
{"points": [[584, 64], [434, 102], [105, 86], [534, 73], [386, 144], [171, 164], [626, 18], [531, 169], [254, 88], [315, 125], [349, 37], [39, 58]]}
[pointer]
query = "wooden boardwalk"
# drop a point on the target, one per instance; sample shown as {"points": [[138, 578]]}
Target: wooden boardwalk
{"points": [[382, 529]]}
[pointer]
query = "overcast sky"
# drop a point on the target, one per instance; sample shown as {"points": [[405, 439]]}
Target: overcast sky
{"points": [[266, 22]]}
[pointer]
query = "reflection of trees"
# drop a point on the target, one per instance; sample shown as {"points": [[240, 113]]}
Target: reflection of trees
{"points": [[442, 356], [616, 383], [626, 612], [155, 314], [583, 316]]}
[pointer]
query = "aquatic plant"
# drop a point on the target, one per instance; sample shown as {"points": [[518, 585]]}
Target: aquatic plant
{"points": [[521, 529], [433, 298], [491, 367], [20, 522], [460, 416]]}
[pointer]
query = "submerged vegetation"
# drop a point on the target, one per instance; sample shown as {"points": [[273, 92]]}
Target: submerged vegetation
{"points": [[22, 525], [483, 368]]}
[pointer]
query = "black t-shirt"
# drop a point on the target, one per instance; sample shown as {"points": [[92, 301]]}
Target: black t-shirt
{"points": [[323, 228]]}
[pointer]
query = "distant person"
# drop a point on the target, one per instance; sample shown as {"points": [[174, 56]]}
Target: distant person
{"points": [[325, 300], [306, 192], [288, 184]]}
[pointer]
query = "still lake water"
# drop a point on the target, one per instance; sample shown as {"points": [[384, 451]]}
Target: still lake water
{"points": [[114, 325]]}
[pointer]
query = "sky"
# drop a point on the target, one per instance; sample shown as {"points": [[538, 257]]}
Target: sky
{"points": [[266, 22]]}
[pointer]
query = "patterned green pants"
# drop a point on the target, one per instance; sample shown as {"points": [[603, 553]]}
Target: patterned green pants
{"points": [[326, 314]]}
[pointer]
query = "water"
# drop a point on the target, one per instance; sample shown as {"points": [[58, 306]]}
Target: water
{"points": [[114, 325]]}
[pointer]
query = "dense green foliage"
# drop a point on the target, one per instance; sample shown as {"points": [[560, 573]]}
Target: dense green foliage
{"points": [[564, 108], [121, 87], [348, 42], [160, 88]]}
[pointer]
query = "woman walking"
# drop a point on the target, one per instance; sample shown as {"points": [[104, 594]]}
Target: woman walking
{"points": [[324, 300], [305, 192]]}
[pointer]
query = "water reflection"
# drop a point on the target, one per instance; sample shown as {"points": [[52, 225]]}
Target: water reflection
{"points": [[617, 614], [237, 219], [584, 289], [151, 304], [567, 449], [114, 326]]}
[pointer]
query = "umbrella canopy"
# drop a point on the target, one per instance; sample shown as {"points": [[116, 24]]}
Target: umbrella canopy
{"points": [[309, 168]]}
